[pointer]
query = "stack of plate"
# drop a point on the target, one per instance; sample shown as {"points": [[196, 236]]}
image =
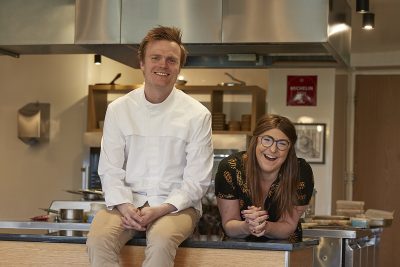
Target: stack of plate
{"points": [[218, 121], [331, 220], [234, 125]]}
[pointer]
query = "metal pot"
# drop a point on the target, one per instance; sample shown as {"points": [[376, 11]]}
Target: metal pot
{"points": [[71, 215], [70, 233], [68, 215]]}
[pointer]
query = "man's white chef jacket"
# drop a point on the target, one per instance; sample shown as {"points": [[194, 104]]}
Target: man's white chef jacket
{"points": [[159, 153]]}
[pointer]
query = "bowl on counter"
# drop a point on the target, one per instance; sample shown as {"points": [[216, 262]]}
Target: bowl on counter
{"points": [[180, 82]]}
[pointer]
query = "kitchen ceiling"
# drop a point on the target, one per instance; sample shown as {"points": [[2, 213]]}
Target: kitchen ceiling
{"points": [[219, 33], [385, 38]]}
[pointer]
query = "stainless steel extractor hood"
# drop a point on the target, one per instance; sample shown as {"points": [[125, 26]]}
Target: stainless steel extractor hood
{"points": [[217, 33]]}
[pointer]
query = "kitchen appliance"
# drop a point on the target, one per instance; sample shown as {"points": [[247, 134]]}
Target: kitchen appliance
{"points": [[345, 246], [94, 181]]}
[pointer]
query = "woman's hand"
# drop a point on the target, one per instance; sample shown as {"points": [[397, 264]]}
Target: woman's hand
{"points": [[231, 219], [256, 220]]}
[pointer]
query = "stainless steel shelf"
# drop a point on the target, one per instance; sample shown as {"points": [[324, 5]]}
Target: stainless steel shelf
{"points": [[339, 232]]}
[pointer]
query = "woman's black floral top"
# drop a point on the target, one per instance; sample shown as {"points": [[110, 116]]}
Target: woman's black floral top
{"points": [[230, 183]]}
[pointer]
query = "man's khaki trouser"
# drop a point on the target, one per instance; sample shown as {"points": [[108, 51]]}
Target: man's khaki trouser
{"points": [[107, 237]]}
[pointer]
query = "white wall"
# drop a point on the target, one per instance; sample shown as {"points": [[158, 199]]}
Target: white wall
{"points": [[32, 176], [322, 112]]}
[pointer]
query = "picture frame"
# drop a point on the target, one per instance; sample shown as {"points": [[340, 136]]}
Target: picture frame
{"points": [[310, 143]]}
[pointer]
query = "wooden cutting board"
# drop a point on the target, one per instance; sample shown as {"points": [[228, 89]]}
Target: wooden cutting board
{"points": [[331, 220]]}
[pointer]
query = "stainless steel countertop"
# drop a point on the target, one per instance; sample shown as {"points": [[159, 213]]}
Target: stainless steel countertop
{"points": [[340, 232], [33, 225]]}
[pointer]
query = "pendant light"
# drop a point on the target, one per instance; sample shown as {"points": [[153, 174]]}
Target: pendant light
{"points": [[368, 21], [97, 59], [362, 6]]}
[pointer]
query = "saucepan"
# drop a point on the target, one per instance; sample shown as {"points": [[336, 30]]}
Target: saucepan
{"points": [[70, 233], [236, 82], [68, 215]]}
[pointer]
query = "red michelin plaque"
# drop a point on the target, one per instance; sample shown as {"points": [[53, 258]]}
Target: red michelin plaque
{"points": [[301, 91]]}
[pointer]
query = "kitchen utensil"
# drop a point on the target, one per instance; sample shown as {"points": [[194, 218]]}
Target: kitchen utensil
{"points": [[71, 215], [180, 82], [70, 233], [237, 81], [50, 210], [115, 78], [331, 220], [68, 215], [40, 218], [112, 82], [88, 194]]}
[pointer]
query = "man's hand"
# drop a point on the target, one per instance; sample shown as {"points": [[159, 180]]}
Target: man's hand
{"points": [[131, 218], [138, 219], [150, 214]]}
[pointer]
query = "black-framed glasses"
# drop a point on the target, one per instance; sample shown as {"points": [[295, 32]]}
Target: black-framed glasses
{"points": [[268, 141]]}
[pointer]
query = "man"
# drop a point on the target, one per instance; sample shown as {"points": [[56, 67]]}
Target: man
{"points": [[155, 162]]}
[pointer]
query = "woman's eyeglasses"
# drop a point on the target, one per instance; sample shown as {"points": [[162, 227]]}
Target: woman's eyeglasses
{"points": [[268, 141]]}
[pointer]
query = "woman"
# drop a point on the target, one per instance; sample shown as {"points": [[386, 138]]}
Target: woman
{"points": [[262, 192]]}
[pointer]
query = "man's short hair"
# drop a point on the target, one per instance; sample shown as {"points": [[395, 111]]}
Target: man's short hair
{"points": [[173, 34]]}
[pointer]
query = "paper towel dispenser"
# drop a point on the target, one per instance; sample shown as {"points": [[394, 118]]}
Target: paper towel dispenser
{"points": [[34, 123]]}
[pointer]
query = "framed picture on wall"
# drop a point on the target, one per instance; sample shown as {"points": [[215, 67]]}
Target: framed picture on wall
{"points": [[310, 143]]}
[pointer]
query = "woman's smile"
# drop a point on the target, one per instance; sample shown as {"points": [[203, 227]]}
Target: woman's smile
{"points": [[270, 159]]}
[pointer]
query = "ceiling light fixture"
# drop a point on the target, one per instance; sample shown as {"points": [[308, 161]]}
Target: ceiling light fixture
{"points": [[368, 21], [97, 59], [362, 6]]}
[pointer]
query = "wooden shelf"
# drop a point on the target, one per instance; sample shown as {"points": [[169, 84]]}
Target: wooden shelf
{"points": [[216, 98], [98, 99]]}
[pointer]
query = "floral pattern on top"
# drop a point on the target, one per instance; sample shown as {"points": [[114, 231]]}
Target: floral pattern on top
{"points": [[230, 183]]}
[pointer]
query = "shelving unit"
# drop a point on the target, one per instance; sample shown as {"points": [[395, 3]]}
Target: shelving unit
{"points": [[216, 98], [98, 98]]}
